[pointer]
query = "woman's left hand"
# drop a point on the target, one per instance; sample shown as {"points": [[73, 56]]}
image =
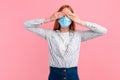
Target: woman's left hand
{"points": [[75, 18]]}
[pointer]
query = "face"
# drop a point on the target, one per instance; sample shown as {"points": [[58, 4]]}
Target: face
{"points": [[65, 22]]}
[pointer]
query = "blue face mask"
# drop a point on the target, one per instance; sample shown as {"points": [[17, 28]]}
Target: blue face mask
{"points": [[64, 22]]}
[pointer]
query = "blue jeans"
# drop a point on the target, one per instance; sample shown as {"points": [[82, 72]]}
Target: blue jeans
{"points": [[63, 73]]}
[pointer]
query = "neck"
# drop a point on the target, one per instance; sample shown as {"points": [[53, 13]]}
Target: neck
{"points": [[64, 29]]}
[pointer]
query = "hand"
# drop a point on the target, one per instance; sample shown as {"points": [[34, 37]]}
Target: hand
{"points": [[57, 15], [75, 18]]}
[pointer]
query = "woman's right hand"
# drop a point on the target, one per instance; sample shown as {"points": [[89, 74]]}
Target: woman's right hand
{"points": [[55, 16]]}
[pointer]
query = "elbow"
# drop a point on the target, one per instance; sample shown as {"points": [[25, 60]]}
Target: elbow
{"points": [[26, 24], [104, 31]]}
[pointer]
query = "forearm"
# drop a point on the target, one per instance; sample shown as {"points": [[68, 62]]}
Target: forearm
{"points": [[81, 22], [93, 26], [47, 20], [34, 23], [32, 26], [37, 22]]}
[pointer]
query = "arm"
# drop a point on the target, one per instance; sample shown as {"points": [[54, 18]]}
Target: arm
{"points": [[95, 30], [32, 25]]}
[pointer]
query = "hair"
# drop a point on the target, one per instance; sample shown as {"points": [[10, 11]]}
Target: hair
{"points": [[57, 25]]}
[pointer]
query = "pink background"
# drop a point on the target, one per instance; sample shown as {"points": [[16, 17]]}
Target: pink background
{"points": [[24, 55]]}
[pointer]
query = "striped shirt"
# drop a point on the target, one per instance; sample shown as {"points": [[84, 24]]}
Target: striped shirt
{"points": [[64, 47]]}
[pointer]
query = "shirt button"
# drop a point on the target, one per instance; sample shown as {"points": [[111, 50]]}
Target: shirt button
{"points": [[64, 70], [64, 78]]}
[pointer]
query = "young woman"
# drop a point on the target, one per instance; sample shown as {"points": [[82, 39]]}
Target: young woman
{"points": [[64, 41]]}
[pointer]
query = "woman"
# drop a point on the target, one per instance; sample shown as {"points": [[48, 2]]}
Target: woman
{"points": [[64, 41]]}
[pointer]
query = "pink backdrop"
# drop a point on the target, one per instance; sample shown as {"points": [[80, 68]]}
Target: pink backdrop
{"points": [[24, 55]]}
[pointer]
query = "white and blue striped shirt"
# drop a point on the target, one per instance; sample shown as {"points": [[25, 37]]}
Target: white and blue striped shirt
{"points": [[64, 47]]}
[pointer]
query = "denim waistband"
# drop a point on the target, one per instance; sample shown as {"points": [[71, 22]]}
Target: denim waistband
{"points": [[63, 67]]}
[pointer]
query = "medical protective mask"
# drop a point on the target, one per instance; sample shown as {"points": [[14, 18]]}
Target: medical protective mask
{"points": [[64, 22]]}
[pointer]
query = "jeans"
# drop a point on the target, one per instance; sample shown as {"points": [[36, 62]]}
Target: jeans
{"points": [[63, 73]]}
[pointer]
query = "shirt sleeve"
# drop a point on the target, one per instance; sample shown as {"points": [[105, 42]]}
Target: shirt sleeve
{"points": [[95, 30], [32, 26]]}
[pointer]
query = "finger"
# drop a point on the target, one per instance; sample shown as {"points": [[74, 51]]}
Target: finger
{"points": [[67, 15], [71, 14], [63, 13], [60, 14]]}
